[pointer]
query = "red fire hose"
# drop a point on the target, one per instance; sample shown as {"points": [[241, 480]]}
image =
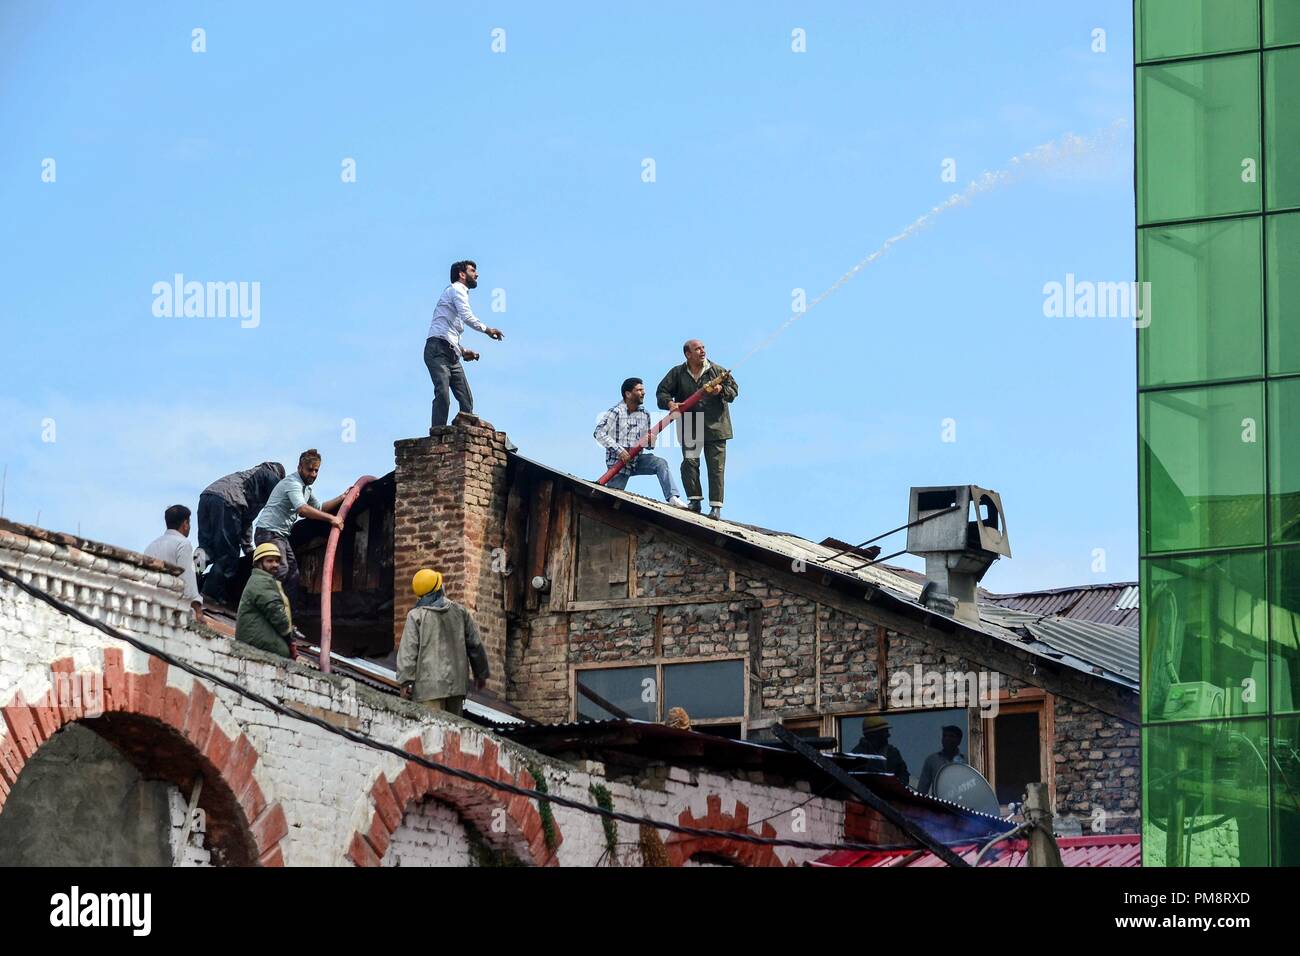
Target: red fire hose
{"points": [[327, 572], [686, 406]]}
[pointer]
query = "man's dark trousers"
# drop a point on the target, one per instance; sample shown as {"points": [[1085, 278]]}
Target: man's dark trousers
{"points": [[715, 460], [221, 528], [443, 363]]}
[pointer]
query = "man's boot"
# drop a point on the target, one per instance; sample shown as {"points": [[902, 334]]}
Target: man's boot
{"points": [[695, 505], [715, 511]]}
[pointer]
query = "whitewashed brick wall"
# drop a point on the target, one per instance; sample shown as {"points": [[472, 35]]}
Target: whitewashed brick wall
{"points": [[324, 783]]}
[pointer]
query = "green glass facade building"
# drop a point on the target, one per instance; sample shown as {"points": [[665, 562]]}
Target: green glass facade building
{"points": [[1217, 109]]}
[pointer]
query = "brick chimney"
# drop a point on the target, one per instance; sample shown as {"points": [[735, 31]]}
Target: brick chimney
{"points": [[449, 515]]}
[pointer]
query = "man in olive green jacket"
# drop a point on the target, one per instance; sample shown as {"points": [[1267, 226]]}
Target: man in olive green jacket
{"points": [[264, 619], [707, 427], [440, 644]]}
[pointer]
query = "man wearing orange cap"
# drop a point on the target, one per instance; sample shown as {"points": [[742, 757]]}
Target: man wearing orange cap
{"points": [[440, 644], [264, 618]]}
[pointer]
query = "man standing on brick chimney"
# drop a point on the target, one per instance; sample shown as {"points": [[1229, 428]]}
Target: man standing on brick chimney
{"points": [[442, 348], [707, 427], [440, 644]]}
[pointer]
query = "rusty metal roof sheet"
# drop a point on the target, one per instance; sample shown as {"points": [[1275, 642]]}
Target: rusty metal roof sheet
{"points": [[1102, 603]]}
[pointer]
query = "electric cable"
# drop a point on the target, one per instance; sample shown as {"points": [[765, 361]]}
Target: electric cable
{"points": [[363, 740]]}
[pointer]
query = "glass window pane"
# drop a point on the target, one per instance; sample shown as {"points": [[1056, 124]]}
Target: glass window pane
{"points": [[1204, 637], [1198, 139], [1285, 645], [1206, 320], [1206, 787], [1284, 458], [616, 692], [707, 690], [1281, 22], [1286, 791], [1282, 127], [1182, 27], [1283, 234], [1202, 468], [906, 740]]}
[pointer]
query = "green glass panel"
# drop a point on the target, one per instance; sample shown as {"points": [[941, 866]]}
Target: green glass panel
{"points": [[1204, 637], [1206, 791], [1283, 234], [1282, 127], [1284, 458], [1187, 27], [1202, 468], [1281, 22], [1284, 697], [1286, 791], [1198, 139], [1205, 296]]}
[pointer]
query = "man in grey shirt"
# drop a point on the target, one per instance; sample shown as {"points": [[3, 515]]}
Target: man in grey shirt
{"points": [[291, 500], [951, 740], [442, 349], [173, 546]]}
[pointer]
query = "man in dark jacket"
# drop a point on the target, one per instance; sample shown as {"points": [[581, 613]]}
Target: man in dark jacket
{"points": [[264, 619], [707, 427], [227, 508], [440, 644], [875, 740]]}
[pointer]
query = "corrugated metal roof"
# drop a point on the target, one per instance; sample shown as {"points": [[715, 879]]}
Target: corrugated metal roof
{"points": [[901, 586], [1103, 649], [1102, 603], [1121, 849]]}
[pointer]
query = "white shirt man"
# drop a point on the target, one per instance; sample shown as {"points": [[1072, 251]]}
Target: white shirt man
{"points": [[173, 546], [442, 348]]}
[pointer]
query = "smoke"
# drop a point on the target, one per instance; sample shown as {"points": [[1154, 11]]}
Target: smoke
{"points": [[1043, 156]]}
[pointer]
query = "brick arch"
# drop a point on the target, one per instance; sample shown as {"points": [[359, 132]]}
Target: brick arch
{"points": [[681, 847], [475, 802], [167, 734]]}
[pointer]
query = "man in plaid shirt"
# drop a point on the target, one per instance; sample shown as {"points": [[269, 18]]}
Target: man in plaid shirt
{"points": [[622, 427]]}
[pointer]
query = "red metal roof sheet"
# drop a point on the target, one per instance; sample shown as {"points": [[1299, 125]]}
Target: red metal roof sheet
{"points": [[1120, 849]]}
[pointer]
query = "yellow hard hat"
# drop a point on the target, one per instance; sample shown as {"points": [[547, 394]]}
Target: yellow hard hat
{"points": [[874, 724], [426, 581], [265, 550]]}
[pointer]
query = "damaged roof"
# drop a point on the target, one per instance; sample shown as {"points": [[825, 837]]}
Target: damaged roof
{"points": [[1106, 652], [639, 741], [1100, 603]]}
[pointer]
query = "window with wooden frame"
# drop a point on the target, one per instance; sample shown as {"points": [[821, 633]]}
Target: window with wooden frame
{"points": [[711, 691], [1018, 746]]}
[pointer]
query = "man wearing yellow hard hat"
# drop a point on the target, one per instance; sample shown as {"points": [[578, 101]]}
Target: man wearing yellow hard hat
{"points": [[440, 644], [264, 618], [875, 740]]}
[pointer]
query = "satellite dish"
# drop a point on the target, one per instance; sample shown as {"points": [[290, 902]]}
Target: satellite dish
{"points": [[959, 783]]}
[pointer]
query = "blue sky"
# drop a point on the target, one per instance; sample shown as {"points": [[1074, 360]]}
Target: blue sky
{"points": [[774, 170]]}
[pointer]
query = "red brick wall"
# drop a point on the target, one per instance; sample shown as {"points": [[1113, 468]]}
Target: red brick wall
{"points": [[449, 515]]}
